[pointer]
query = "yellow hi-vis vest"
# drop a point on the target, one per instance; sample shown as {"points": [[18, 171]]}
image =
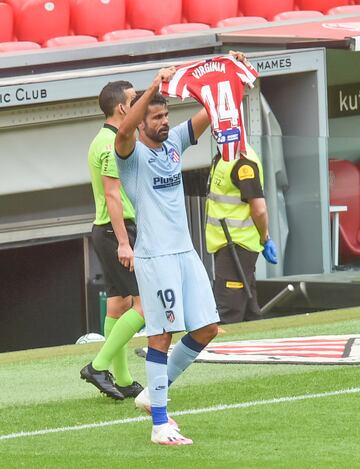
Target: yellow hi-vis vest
{"points": [[224, 201]]}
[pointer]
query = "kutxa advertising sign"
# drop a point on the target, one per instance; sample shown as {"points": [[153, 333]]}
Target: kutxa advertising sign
{"points": [[344, 100]]}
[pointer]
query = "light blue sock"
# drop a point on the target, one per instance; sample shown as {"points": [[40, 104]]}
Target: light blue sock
{"points": [[156, 370], [183, 354]]}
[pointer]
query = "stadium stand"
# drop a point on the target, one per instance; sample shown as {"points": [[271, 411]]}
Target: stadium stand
{"points": [[345, 190], [265, 9], [97, 17], [240, 20], [320, 5], [15, 46], [40, 20], [6, 22], [126, 34], [344, 9], [297, 14], [15, 4], [209, 11], [183, 28], [59, 23], [142, 14], [70, 41]]}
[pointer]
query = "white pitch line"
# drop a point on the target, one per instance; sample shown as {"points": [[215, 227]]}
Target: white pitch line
{"points": [[241, 405]]}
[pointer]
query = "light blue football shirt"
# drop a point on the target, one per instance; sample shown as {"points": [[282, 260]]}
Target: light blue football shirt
{"points": [[152, 180]]}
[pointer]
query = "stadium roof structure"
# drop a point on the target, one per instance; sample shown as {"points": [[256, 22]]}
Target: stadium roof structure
{"points": [[341, 31]]}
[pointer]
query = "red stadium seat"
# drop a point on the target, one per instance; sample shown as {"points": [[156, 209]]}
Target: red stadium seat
{"points": [[6, 22], [15, 4], [97, 17], [209, 11], [153, 15], [183, 28], [320, 5], [345, 190], [296, 15], [15, 46], [70, 41], [40, 20], [126, 34], [240, 20], [266, 9], [343, 10]]}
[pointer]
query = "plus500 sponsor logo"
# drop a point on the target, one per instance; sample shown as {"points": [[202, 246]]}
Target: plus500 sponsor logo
{"points": [[162, 183]]}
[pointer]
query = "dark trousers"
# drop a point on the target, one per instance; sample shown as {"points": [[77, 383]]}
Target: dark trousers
{"points": [[232, 301], [119, 281]]}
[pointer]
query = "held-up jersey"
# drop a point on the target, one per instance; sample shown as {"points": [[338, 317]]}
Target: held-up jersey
{"points": [[218, 84]]}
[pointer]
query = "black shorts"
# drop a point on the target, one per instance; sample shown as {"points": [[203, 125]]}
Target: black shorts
{"points": [[230, 295], [119, 281]]}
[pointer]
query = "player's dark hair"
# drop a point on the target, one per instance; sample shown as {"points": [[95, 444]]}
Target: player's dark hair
{"points": [[113, 94], [157, 99]]}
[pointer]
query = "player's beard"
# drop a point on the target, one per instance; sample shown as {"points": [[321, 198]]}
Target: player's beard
{"points": [[157, 136]]}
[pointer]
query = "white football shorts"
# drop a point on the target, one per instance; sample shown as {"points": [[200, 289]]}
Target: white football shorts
{"points": [[175, 292]]}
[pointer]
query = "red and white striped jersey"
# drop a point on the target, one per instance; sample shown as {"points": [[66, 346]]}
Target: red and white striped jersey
{"points": [[217, 83]]}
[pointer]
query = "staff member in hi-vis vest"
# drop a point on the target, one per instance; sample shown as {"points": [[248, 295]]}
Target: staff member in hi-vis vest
{"points": [[236, 195]]}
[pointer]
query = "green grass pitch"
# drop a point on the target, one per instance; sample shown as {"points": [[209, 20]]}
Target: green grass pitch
{"points": [[40, 390]]}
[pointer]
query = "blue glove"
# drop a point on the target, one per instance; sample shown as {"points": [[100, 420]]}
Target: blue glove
{"points": [[269, 251]]}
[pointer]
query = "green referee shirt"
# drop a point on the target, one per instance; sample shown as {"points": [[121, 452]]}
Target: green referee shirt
{"points": [[102, 162]]}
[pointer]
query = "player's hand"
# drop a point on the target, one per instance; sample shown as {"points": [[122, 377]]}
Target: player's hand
{"points": [[269, 251], [165, 74], [126, 256], [240, 56]]}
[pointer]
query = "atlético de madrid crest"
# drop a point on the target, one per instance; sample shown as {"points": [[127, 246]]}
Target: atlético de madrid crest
{"points": [[170, 316], [316, 350], [174, 156]]}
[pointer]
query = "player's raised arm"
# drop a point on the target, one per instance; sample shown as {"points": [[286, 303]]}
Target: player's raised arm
{"points": [[125, 138], [200, 123]]}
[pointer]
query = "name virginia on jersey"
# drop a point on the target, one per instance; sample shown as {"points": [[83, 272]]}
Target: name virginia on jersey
{"points": [[152, 180], [219, 84]]}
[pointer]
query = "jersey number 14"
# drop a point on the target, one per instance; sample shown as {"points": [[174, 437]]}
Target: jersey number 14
{"points": [[224, 109]]}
